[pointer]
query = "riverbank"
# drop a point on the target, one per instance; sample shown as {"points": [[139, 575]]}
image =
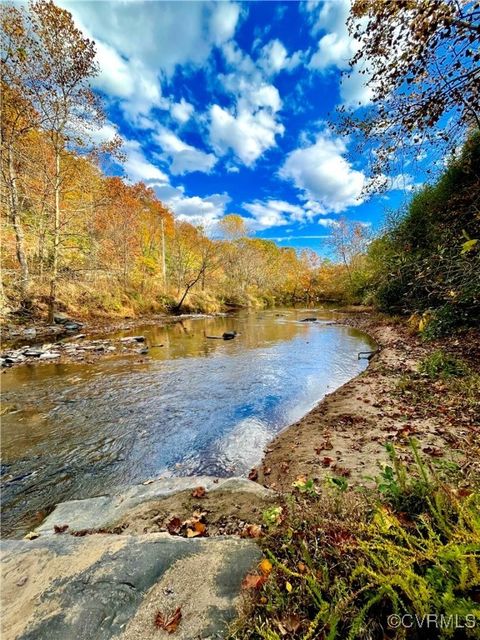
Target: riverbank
{"points": [[392, 401]]}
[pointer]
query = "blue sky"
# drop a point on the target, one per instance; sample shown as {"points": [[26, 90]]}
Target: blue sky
{"points": [[224, 108]]}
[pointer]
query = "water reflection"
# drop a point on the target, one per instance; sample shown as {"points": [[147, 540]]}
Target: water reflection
{"points": [[194, 405]]}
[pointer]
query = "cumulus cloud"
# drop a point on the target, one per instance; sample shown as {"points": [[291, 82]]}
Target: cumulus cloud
{"points": [[335, 49], [182, 111], [206, 211], [248, 134], [138, 42], [249, 127], [323, 175], [138, 167], [273, 213], [274, 58], [183, 157]]}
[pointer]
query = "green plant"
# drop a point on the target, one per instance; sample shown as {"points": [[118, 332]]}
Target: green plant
{"points": [[442, 365], [342, 564]]}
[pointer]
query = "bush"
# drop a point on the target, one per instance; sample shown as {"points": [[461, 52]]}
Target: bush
{"points": [[343, 564], [428, 259]]}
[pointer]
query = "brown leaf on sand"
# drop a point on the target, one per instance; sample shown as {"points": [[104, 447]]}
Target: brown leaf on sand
{"points": [[253, 475], [326, 462], [253, 581], [60, 528], [168, 623], [174, 526], [199, 492], [251, 531], [433, 451], [199, 529]]}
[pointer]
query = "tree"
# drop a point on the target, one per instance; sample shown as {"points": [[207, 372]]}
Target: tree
{"points": [[191, 257], [54, 63], [422, 63], [18, 118]]}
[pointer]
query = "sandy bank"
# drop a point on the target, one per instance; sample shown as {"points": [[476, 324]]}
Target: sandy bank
{"points": [[345, 434]]}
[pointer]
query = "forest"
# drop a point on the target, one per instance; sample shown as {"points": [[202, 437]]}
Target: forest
{"points": [[78, 237]]}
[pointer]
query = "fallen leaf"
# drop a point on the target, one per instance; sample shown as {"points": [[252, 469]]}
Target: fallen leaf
{"points": [[301, 567], [251, 531], [253, 475], [326, 462], [199, 492], [265, 567], [253, 581], [199, 529], [168, 624], [267, 471], [31, 535], [288, 587], [291, 622], [60, 528], [174, 526]]}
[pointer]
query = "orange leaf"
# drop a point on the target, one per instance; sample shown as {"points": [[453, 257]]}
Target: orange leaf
{"points": [[168, 624], [265, 566], [199, 492], [253, 581]]}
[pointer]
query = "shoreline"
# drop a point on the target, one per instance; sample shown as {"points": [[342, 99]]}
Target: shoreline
{"points": [[345, 434]]}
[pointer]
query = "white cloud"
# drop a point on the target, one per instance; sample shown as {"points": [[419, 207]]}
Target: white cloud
{"points": [[182, 111], [249, 127], [137, 167], [324, 176], [199, 211], [274, 58], [248, 134], [274, 213], [183, 157], [335, 50], [138, 42], [355, 90]]}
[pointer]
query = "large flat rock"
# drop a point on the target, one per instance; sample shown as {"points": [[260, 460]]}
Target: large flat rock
{"points": [[103, 511], [106, 586]]}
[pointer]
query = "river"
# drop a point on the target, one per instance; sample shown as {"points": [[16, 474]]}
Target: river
{"points": [[191, 406]]}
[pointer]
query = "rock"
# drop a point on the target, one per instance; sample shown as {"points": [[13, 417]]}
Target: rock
{"points": [[30, 333], [103, 586], [73, 326], [133, 339], [100, 512], [60, 318], [50, 355], [308, 320], [229, 335], [31, 352]]}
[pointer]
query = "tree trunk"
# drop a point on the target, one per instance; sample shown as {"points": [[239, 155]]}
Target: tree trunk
{"points": [[56, 240], [19, 237]]}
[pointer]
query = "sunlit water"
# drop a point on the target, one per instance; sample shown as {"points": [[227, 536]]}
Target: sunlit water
{"points": [[193, 406]]}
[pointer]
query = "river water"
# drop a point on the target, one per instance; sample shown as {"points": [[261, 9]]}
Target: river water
{"points": [[192, 406]]}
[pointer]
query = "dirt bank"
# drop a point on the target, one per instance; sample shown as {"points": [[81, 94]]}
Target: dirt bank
{"points": [[345, 435]]}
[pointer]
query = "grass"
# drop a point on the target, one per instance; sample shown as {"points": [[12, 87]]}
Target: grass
{"points": [[343, 561]]}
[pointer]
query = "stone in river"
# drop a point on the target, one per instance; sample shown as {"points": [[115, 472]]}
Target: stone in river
{"points": [[50, 355], [73, 326], [308, 320], [31, 352]]}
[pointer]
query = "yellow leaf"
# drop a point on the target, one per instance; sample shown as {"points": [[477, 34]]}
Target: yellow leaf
{"points": [[288, 587], [265, 566]]}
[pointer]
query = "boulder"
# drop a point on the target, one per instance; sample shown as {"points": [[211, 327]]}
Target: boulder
{"points": [[99, 587]]}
